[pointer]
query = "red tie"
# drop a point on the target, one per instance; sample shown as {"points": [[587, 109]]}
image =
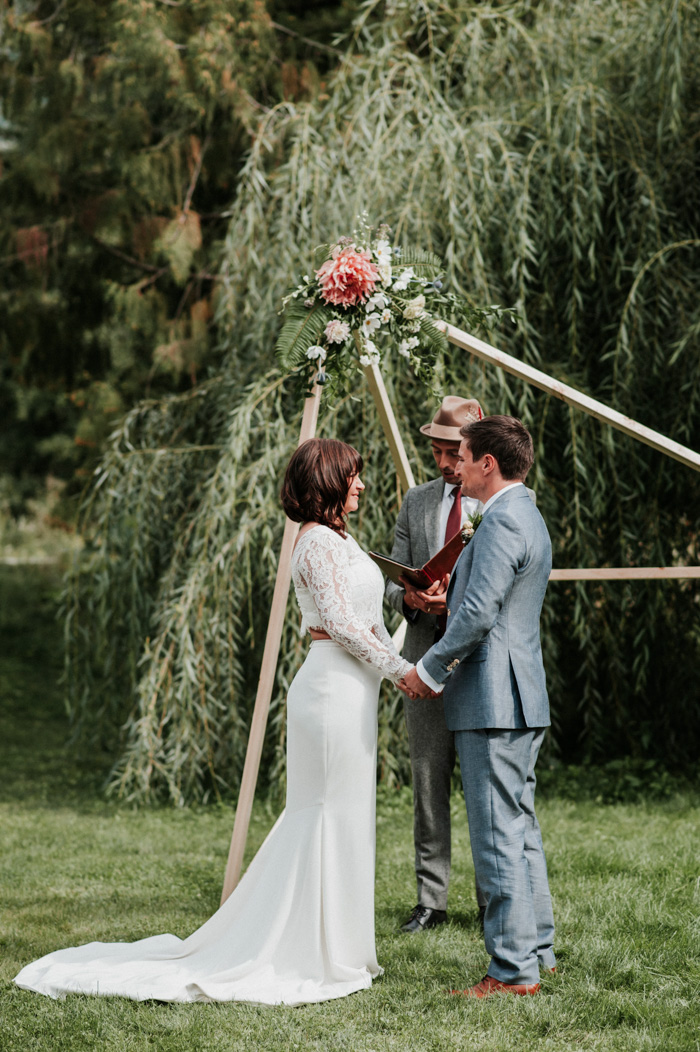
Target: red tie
{"points": [[454, 522], [454, 519]]}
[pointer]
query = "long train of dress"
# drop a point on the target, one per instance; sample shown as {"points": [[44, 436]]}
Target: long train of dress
{"points": [[299, 927]]}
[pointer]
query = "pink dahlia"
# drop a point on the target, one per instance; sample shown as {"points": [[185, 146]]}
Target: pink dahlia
{"points": [[348, 278]]}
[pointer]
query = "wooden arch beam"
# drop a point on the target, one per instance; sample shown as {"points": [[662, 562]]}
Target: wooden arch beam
{"points": [[572, 397]]}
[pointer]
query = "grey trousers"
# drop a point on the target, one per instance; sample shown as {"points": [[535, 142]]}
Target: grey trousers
{"points": [[432, 750], [506, 842]]}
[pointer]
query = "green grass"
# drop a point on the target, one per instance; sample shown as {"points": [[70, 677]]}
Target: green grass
{"points": [[74, 868]]}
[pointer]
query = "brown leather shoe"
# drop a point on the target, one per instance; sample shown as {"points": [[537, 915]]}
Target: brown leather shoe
{"points": [[489, 986]]}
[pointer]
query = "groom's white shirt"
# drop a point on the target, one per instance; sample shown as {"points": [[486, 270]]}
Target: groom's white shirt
{"points": [[425, 676]]}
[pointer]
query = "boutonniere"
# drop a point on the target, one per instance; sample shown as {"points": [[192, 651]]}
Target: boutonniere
{"points": [[469, 529]]}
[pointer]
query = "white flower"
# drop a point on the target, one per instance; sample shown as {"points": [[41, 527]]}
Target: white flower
{"points": [[371, 323], [403, 279], [406, 346], [376, 302], [385, 316], [316, 351], [385, 273], [415, 308], [371, 356], [383, 253], [337, 331], [469, 528]]}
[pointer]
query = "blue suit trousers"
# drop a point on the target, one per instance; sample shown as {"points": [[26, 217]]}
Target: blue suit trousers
{"points": [[498, 778]]}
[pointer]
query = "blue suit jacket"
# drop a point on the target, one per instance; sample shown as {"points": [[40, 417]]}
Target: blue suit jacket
{"points": [[490, 657]]}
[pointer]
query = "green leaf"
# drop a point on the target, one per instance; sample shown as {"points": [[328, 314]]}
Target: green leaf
{"points": [[425, 264], [179, 241], [303, 327]]}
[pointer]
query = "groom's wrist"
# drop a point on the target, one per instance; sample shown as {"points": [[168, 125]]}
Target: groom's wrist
{"points": [[428, 679]]}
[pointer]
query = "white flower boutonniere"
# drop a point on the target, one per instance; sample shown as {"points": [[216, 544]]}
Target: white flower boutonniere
{"points": [[470, 526]]}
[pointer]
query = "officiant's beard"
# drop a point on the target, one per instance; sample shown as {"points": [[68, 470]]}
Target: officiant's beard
{"points": [[445, 459]]}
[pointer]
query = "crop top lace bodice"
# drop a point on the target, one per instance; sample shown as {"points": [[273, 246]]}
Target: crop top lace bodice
{"points": [[340, 590]]}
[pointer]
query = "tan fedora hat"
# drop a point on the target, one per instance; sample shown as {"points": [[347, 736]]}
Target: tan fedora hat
{"points": [[452, 414]]}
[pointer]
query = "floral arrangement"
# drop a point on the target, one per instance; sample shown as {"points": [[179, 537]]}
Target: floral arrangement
{"points": [[470, 527], [366, 299]]}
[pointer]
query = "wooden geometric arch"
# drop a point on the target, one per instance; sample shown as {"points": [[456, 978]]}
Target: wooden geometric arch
{"points": [[511, 365]]}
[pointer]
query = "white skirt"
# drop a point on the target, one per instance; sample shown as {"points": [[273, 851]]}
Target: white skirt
{"points": [[299, 927]]}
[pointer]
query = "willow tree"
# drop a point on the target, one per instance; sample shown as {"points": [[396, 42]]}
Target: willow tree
{"points": [[547, 153]]}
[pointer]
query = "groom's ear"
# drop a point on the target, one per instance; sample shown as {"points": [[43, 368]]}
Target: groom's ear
{"points": [[488, 463]]}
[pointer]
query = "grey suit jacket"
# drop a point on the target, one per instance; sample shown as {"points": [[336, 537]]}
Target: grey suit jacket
{"points": [[490, 657]]}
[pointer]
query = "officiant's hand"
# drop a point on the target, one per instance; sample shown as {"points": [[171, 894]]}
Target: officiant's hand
{"points": [[430, 600]]}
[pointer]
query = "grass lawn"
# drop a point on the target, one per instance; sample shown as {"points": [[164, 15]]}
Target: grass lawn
{"points": [[75, 868]]}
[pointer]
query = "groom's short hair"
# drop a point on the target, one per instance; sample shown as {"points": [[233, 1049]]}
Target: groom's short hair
{"points": [[506, 439]]}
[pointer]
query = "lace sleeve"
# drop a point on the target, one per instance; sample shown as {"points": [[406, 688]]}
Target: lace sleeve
{"points": [[384, 636], [323, 567]]}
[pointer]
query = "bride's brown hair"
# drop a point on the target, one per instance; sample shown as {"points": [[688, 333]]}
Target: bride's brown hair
{"points": [[317, 481]]}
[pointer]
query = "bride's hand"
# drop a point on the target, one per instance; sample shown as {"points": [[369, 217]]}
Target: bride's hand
{"points": [[413, 686]]}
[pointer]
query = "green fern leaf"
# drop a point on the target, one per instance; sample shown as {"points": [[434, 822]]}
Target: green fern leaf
{"points": [[303, 327], [425, 264], [432, 339]]}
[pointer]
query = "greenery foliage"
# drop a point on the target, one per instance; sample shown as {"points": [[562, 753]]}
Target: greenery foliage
{"points": [[122, 127], [547, 153]]}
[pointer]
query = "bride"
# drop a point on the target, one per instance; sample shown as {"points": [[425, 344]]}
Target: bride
{"points": [[299, 927]]}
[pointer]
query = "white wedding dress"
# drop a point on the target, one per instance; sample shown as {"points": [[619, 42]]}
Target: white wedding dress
{"points": [[299, 927]]}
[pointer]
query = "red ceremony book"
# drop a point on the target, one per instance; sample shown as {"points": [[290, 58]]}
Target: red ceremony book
{"points": [[422, 576]]}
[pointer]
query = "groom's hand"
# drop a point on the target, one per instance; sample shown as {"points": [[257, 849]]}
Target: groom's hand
{"points": [[429, 600], [413, 686]]}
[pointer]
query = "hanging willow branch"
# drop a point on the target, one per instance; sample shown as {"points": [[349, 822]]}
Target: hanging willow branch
{"points": [[546, 153]]}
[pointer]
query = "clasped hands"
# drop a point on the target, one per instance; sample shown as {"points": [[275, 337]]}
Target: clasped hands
{"points": [[414, 687]]}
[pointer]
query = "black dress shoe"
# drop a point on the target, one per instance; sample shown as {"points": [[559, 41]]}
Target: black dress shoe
{"points": [[423, 917]]}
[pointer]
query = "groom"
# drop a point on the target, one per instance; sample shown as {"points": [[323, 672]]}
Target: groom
{"points": [[489, 662]]}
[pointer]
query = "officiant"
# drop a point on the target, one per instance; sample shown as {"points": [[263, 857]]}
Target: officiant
{"points": [[430, 516]]}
